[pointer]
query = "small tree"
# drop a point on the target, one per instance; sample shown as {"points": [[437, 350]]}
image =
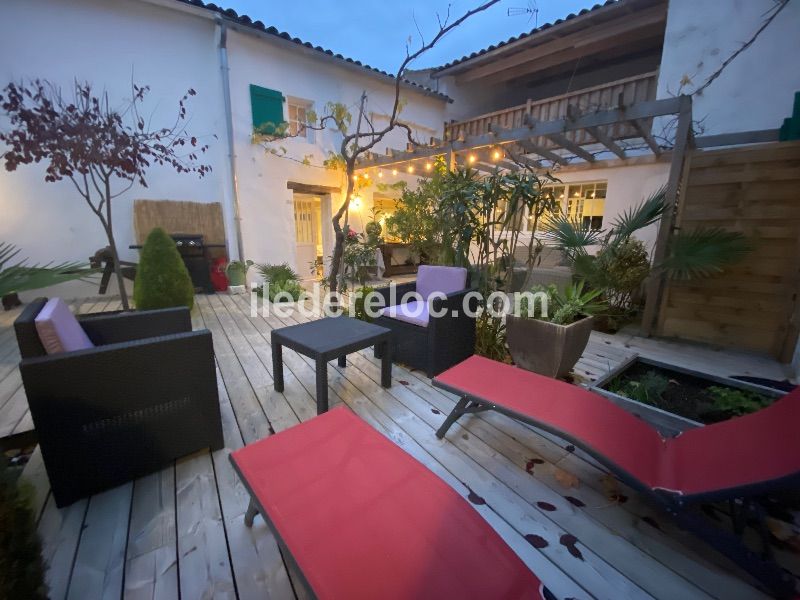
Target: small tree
{"points": [[162, 280], [102, 150], [364, 136]]}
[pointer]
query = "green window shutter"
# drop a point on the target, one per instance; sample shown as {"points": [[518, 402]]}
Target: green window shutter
{"points": [[267, 106]]}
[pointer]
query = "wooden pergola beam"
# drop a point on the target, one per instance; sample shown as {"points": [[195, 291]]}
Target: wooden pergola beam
{"points": [[601, 137], [646, 136], [532, 148], [639, 110], [564, 142]]}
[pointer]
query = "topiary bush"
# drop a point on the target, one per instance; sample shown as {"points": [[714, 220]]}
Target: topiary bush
{"points": [[21, 565], [162, 280]]}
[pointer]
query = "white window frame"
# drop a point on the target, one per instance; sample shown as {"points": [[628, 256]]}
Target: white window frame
{"points": [[295, 105], [568, 192]]}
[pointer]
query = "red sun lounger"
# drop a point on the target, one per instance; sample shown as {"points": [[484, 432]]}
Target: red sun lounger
{"points": [[737, 460], [361, 518]]}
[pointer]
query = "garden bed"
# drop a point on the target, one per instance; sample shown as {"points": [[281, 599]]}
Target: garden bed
{"points": [[674, 399]]}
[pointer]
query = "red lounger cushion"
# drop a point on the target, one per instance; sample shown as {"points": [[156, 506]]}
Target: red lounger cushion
{"points": [[595, 422], [746, 451], [363, 519], [756, 448]]}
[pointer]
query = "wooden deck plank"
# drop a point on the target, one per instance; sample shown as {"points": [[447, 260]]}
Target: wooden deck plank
{"points": [[60, 531], [151, 562], [35, 475], [257, 563], [249, 414], [100, 560], [13, 412], [204, 567]]}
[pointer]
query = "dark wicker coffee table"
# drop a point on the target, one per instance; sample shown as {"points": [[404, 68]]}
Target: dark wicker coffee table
{"points": [[326, 339]]}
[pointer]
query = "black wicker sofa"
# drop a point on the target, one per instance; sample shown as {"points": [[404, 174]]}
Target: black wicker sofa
{"points": [[145, 395]]}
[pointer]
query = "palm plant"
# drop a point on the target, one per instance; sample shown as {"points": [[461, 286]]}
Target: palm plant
{"points": [[703, 252], [700, 253], [17, 276]]}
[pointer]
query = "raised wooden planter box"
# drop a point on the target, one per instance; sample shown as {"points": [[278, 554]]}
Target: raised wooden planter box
{"points": [[667, 423]]}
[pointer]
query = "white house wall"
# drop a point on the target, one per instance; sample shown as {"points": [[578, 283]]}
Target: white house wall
{"points": [[756, 90], [109, 42], [627, 186], [265, 202]]}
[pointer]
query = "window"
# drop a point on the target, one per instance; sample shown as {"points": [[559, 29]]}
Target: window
{"points": [[267, 108], [582, 202], [298, 117]]}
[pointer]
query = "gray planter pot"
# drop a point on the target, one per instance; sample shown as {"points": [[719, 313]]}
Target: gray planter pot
{"points": [[547, 348]]}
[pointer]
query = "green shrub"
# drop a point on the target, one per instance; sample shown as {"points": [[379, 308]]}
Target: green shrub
{"points": [[648, 389], [293, 288], [162, 280], [277, 274], [359, 309], [21, 566], [735, 402]]}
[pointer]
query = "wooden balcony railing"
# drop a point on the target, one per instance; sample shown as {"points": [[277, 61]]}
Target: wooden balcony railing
{"points": [[602, 97]]}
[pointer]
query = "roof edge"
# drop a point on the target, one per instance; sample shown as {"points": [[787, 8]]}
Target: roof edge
{"points": [[461, 63], [247, 24]]}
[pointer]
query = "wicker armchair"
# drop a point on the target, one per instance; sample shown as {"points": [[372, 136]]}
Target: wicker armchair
{"points": [[144, 396], [434, 343]]}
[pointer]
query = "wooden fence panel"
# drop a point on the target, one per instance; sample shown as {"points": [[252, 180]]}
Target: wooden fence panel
{"points": [[754, 304]]}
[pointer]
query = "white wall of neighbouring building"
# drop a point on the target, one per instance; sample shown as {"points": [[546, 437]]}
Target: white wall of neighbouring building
{"points": [[628, 185], [756, 90]]}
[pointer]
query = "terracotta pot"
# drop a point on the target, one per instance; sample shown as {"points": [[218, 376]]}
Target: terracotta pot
{"points": [[547, 348]]}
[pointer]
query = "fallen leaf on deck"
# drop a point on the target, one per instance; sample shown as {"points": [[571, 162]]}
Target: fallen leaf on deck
{"points": [[536, 541], [565, 478], [531, 464], [569, 541], [474, 498]]}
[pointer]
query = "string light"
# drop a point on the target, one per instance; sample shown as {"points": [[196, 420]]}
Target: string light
{"points": [[472, 158], [410, 168], [366, 175], [380, 174], [355, 177], [496, 155], [428, 166], [394, 171]]}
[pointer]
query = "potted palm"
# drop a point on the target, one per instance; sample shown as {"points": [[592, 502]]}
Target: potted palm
{"points": [[550, 340]]}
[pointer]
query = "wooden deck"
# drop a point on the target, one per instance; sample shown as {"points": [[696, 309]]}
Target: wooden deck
{"points": [[179, 533]]}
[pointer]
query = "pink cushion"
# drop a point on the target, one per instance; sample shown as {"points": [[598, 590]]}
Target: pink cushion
{"points": [[415, 313], [59, 330], [440, 279]]}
